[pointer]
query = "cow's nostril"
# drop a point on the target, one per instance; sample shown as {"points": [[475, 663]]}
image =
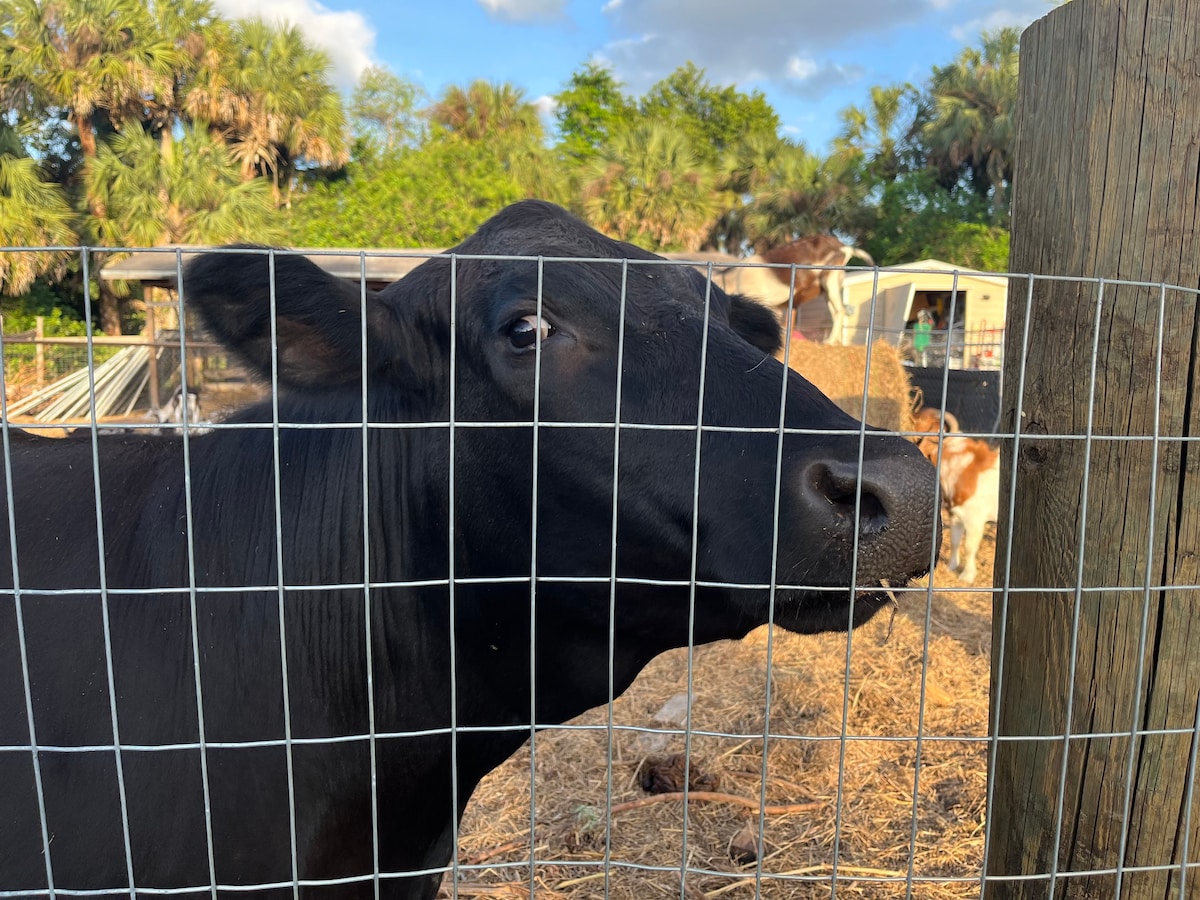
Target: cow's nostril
{"points": [[839, 487]]}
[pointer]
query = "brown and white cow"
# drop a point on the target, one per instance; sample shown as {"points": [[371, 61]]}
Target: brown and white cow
{"points": [[772, 285]]}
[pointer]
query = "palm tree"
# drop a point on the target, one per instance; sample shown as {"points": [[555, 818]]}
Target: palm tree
{"points": [[186, 24], [969, 131], [801, 194], [881, 134], [487, 110], [90, 57], [33, 213], [744, 171], [97, 60], [188, 192], [499, 115], [649, 188], [266, 91]]}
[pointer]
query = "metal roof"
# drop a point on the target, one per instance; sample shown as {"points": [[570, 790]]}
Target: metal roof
{"points": [[157, 267]]}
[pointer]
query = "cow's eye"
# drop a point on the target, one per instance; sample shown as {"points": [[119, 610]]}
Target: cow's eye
{"points": [[523, 333]]}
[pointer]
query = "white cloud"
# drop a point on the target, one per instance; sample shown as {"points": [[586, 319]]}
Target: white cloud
{"points": [[1009, 15], [809, 78], [762, 42], [524, 10], [545, 105], [346, 37], [801, 69]]}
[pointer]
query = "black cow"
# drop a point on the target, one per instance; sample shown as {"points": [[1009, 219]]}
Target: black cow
{"points": [[286, 770]]}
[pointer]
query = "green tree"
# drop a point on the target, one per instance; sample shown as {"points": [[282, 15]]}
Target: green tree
{"points": [[499, 117], [432, 196], [33, 213], [917, 218], [744, 170], [800, 193], [487, 110], [95, 59], [95, 67], [590, 110], [188, 192], [969, 129], [649, 188], [266, 92], [882, 134], [383, 111], [187, 25], [713, 119]]}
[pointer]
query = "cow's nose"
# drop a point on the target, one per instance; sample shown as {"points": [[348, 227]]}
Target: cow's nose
{"points": [[895, 521], [833, 487]]}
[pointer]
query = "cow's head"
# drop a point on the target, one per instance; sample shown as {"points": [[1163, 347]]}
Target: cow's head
{"points": [[554, 331]]}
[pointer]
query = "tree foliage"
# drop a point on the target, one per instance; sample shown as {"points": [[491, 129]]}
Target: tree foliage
{"points": [[33, 213], [384, 114], [268, 95], [590, 110], [497, 118], [799, 193], [968, 128], [882, 137], [100, 91], [95, 59], [651, 188], [138, 122], [433, 196], [486, 110], [714, 119], [188, 193], [917, 218]]}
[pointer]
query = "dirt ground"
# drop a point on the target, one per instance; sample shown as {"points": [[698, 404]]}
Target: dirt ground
{"points": [[866, 830]]}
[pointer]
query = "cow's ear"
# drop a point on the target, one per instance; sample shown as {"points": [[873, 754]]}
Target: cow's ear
{"points": [[755, 322], [318, 319]]}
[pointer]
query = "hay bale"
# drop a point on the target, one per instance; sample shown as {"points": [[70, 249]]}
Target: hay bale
{"points": [[840, 374]]}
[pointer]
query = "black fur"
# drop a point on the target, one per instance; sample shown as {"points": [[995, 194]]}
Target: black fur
{"points": [[415, 539], [756, 323]]}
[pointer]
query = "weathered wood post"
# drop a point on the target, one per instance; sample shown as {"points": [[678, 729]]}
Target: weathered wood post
{"points": [[39, 352], [151, 334], [1106, 185]]}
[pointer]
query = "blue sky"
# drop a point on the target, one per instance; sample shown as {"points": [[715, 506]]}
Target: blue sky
{"points": [[811, 58]]}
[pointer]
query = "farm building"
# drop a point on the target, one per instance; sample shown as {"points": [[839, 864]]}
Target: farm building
{"points": [[905, 291], [979, 302]]}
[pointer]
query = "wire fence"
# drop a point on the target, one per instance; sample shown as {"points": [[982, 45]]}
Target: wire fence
{"points": [[859, 764], [47, 379]]}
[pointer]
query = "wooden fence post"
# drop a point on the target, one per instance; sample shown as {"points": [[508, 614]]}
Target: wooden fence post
{"points": [[151, 332], [1106, 186], [39, 352]]}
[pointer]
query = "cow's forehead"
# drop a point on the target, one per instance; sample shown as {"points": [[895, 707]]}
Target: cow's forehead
{"points": [[537, 228], [534, 228]]}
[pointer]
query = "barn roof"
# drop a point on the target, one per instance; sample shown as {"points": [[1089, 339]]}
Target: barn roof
{"points": [[157, 267], [914, 270]]}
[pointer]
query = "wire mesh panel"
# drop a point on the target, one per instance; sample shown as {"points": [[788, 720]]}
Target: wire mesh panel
{"points": [[534, 576]]}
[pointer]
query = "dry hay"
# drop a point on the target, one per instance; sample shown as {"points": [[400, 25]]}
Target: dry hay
{"points": [[841, 374], [874, 845]]}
